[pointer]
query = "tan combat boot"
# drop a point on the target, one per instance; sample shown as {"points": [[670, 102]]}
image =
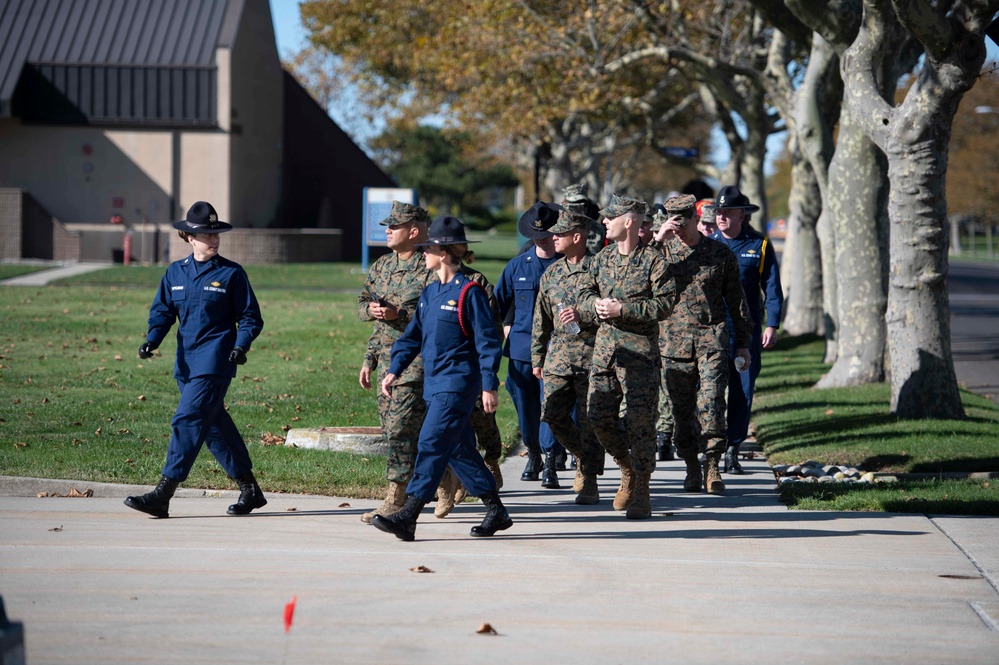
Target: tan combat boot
{"points": [[712, 475], [589, 493], [394, 501], [494, 468], [623, 496], [695, 476], [578, 480], [640, 507], [446, 494]]}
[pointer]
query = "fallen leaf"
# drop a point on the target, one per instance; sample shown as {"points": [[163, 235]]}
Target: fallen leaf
{"points": [[45, 400], [117, 357], [344, 505], [486, 629], [423, 569], [20, 444], [141, 398], [75, 493], [58, 528], [829, 412], [98, 431], [285, 428], [290, 510], [269, 439], [42, 495]]}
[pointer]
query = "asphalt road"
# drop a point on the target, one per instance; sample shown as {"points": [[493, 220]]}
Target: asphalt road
{"points": [[974, 323]]}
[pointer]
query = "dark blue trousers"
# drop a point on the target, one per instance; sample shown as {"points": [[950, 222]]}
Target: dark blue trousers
{"points": [[527, 391], [447, 438], [740, 389], [201, 418]]}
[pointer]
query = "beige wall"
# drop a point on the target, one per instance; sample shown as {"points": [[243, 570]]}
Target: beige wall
{"points": [[254, 119]]}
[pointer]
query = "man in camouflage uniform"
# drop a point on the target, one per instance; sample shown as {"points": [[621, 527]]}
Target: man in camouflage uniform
{"points": [[694, 340], [395, 282], [630, 293], [574, 199], [560, 353]]}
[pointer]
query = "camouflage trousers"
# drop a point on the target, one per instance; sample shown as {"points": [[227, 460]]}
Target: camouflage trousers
{"points": [[487, 434], [637, 385], [401, 417], [665, 422], [697, 391], [562, 395]]}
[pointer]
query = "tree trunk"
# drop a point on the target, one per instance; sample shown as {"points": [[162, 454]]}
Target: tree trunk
{"points": [[924, 384], [753, 183], [801, 262], [857, 189]]}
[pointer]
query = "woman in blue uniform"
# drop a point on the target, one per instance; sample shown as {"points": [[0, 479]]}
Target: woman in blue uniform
{"points": [[455, 331], [219, 318]]}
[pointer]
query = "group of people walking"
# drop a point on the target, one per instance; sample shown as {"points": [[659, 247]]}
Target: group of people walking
{"points": [[630, 352]]}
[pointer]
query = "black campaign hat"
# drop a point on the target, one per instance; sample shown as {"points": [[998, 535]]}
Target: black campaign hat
{"points": [[536, 222], [202, 218], [730, 198], [446, 231]]}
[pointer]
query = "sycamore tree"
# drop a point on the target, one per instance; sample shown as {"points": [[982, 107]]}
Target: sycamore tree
{"points": [[915, 135]]}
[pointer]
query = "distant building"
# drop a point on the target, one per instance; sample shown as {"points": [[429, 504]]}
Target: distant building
{"points": [[118, 110]]}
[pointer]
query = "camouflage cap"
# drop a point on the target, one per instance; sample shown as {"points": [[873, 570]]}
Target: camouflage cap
{"points": [[682, 203], [405, 213], [659, 217], [575, 194], [622, 205], [568, 221]]}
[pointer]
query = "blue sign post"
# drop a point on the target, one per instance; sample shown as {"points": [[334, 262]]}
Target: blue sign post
{"points": [[377, 206]]}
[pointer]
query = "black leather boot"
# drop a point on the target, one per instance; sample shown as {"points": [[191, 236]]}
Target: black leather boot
{"points": [[250, 496], [549, 478], [731, 461], [534, 464], [496, 519], [157, 502], [561, 457], [403, 523], [664, 445]]}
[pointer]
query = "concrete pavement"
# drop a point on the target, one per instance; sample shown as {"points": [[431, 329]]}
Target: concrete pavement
{"points": [[58, 270], [709, 579]]}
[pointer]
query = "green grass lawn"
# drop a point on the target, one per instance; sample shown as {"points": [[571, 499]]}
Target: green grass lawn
{"points": [[852, 426]]}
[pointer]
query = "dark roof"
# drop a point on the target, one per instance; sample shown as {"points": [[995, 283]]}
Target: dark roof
{"points": [[132, 54]]}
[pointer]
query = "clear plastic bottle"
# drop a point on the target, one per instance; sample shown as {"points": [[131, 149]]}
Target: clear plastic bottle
{"points": [[573, 326], [740, 364]]}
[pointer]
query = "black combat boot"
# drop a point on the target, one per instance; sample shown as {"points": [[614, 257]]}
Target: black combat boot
{"points": [[403, 523], [731, 461], [549, 478], [157, 502], [664, 444], [250, 496], [534, 464], [561, 457], [496, 519]]}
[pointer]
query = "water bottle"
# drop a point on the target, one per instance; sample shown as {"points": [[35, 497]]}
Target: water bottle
{"points": [[573, 326], [740, 364]]}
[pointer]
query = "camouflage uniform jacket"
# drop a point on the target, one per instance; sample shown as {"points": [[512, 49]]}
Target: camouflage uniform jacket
{"points": [[706, 277], [559, 352], [400, 282], [642, 284]]}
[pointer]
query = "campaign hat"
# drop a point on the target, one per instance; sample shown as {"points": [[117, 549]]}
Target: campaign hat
{"points": [[539, 218], [202, 218], [446, 231]]}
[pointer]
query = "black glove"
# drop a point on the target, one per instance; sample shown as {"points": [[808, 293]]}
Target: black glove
{"points": [[238, 356], [146, 350]]}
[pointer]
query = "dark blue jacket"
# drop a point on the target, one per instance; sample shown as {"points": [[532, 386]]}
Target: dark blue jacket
{"points": [[759, 272], [217, 311], [452, 362], [518, 287]]}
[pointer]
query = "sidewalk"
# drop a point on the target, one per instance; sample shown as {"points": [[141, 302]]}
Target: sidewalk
{"points": [[709, 579], [43, 277]]}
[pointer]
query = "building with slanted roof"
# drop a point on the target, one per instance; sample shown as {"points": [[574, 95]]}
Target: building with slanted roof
{"points": [[131, 110]]}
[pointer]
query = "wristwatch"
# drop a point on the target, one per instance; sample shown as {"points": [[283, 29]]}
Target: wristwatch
{"points": [[403, 313]]}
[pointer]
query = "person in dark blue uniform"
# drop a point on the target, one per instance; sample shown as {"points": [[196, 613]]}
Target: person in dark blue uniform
{"points": [[517, 289], [454, 329], [219, 318], [760, 281]]}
